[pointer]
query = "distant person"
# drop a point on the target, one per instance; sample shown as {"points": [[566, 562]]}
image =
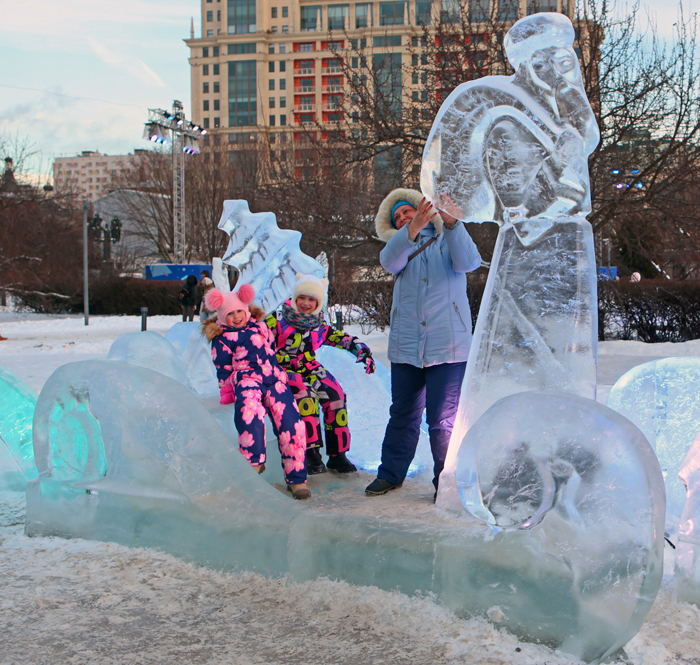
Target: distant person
{"points": [[299, 332], [205, 285], [188, 298], [429, 255]]}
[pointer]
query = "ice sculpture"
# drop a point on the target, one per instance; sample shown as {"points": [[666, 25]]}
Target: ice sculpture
{"points": [[195, 355], [266, 256], [661, 398], [584, 486], [129, 455], [17, 402], [513, 150], [150, 350], [687, 565]]}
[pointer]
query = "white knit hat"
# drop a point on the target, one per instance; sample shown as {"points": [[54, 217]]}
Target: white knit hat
{"points": [[310, 285]]}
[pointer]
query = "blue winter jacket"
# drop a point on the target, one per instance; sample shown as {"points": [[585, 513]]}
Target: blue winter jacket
{"points": [[430, 319]]}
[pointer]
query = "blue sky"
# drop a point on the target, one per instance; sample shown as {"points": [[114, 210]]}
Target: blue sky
{"points": [[80, 74]]}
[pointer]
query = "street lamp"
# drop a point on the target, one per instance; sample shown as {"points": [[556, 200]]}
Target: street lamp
{"points": [[173, 127]]}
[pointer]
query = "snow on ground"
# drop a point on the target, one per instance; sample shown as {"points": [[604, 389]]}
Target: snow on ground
{"points": [[78, 601]]}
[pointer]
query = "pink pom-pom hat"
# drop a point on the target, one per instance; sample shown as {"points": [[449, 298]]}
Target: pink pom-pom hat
{"points": [[225, 303]]}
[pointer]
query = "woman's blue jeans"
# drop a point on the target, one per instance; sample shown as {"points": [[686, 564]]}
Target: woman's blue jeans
{"points": [[435, 389]]}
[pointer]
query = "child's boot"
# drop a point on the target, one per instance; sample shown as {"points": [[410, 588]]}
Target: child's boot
{"points": [[260, 468], [340, 463], [314, 462], [300, 491]]}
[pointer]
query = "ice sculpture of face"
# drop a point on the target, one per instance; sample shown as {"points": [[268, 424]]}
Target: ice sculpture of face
{"points": [[550, 66], [403, 215]]}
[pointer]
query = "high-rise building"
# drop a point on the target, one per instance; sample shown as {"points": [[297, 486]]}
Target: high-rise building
{"points": [[88, 175], [275, 64]]}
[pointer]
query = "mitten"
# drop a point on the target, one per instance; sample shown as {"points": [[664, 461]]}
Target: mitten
{"points": [[227, 394], [365, 356]]}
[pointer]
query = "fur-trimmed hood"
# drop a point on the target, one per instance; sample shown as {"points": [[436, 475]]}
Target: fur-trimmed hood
{"points": [[211, 328], [382, 222]]}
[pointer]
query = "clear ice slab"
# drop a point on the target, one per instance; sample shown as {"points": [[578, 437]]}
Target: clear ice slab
{"points": [[17, 402], [582, 484], [661, 398]]}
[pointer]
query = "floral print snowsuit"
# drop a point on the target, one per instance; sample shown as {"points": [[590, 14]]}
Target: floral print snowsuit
{"points": [[250, 377], [312, 383]]}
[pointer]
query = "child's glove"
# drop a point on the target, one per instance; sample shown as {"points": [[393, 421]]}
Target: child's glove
{"points": [[227, 395], [365, 356]]}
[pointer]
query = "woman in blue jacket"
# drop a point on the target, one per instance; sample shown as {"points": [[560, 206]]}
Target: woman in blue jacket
{"points": [[429, 256]]}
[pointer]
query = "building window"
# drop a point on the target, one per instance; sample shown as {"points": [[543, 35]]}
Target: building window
{"points": [[217, 122], [306, 47], [283, 102], [218, 15], [450, 11], [336, 17], [271, 102], [283, 84], [283, 122], [273, 30], [386, 40], [237, 49], [241, 17], [205, 52], [310, 18], [216, 51], [206, 123], [423, 10], [216, 70], [283, 66], [363, 15], [283, 48], [271, 84], [388, 71], [205, 87], [536, 6], [242, 95], [271, 49], [206, 105], [274, 12], [271, 67], [508, 10], [217, 105], [210, 17], [272, 121], [285, 12], [391, 13], [216, 86], [210, 33], [285, 29]]}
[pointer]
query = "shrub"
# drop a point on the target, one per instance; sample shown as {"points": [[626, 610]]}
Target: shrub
{"points": [[128, 296]]}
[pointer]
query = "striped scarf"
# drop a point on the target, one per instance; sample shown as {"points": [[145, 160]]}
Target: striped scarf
{"points": [[302, 322]]}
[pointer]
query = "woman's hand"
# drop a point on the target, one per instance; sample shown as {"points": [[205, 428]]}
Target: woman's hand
{"points": [[425, 212]]}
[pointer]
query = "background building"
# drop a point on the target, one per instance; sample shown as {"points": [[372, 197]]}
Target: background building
{"points": [[89, 175], [277, 63]]}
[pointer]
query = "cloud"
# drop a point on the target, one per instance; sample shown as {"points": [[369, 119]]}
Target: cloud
{"points": [[128, 63]]}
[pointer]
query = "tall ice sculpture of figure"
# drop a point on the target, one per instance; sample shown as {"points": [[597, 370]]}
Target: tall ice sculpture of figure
{"points": [[513, 150]]}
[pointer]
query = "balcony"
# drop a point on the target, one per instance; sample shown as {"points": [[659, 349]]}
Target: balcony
{"points": [[304, 89], [304, 71], [332, 69], [332, 106], [308, 107], [335, 87]]}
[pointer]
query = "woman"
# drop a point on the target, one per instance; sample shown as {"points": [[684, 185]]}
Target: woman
{"points": [[431, 330]]}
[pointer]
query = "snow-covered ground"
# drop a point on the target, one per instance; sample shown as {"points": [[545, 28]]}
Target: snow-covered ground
{"points": [[100, 603]]}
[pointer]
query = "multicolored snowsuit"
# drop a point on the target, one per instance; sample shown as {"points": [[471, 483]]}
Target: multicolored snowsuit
{"points": [[250, 377], [312, 383]]}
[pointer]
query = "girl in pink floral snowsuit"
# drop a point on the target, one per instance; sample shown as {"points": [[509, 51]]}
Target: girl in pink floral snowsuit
{"points": [[251, 379]]}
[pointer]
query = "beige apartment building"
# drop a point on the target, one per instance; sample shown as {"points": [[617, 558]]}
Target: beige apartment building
{"points": [[273, 64], [88, 175]]}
